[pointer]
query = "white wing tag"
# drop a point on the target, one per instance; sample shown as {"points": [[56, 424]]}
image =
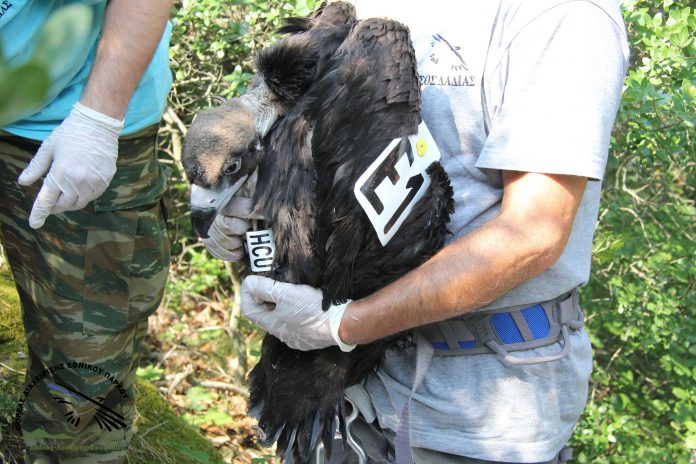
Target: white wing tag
{"points": [[261, 250], [393, 184]]}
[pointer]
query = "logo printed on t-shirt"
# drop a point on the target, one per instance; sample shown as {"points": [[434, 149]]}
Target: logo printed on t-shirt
{"points": [[447, 66], [4, 6]]}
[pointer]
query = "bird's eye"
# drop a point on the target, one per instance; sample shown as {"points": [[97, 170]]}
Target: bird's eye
{"points": [[253, 146], [233, 167]]}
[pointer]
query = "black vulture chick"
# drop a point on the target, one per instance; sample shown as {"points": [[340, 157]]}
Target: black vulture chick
{"points": [[345, 90], [367, 96]]}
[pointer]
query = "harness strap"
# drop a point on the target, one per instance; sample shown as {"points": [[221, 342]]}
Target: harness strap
{"points": [[566, 454], [486, 332], [402, 440], [360, 404], [505, 330]]}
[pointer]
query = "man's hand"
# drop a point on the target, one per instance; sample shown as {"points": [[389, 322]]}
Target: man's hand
{"points": [[292, 313], [80, 158], [226, 234]]}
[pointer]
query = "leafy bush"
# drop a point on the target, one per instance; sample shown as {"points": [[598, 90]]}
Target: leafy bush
{"points": [[641, 298]]}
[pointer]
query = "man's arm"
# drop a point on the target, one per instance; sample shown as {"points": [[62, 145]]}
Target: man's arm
{"points": [[79, 157], [132, 30], [529, 234]]}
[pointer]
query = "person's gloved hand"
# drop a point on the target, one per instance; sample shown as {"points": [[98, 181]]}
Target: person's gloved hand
{"points": [[292, 313], [226, 234], [80, 158]]}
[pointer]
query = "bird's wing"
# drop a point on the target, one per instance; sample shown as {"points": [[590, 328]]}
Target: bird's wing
{"points": [[373, 97], [367, 96], [292, 64]]}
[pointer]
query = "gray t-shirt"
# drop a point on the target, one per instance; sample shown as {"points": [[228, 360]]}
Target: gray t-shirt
{"points": [[508, 85]]}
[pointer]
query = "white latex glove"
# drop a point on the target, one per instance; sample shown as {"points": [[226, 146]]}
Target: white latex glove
{"points": [[226, 234], [80, 158], [292, 313]]}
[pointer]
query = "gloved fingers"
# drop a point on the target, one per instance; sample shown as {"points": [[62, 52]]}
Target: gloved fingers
{"points": [[258, 313], [234, 256], [253, 306], [39, 164], [43, 205], [265, 289], [69, 198], [103, 178], [65, 203], [226, 242], [229, 225], [298, 297], [78, 159], [265, 316], [222, 242], [296, 318], [240, 207], [227, 252], [301, 297], [257, 288]]}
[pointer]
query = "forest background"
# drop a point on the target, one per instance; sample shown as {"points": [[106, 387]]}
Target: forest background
{"points": [[639, 302]]}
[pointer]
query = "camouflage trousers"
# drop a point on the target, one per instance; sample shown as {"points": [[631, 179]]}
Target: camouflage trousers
{"points": [[87, 282]]}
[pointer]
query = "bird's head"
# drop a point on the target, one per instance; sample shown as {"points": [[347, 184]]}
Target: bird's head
{"points": [[221, 149]]}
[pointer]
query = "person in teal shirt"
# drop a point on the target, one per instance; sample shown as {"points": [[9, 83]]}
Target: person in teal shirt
{"points": [[83, 222], [19, 26]]}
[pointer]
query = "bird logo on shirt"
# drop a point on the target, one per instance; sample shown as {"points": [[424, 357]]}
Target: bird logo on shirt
{"points": [[445, 65], [448, 54]]}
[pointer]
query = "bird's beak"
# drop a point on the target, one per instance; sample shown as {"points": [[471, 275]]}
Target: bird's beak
{"points": [[205, 204]]}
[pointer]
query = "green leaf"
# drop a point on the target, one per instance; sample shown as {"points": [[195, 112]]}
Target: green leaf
{"points": [[681, 393], [217, 417], [59, 39], [691, 442], [24, 89], [21, 91], [681, 38], [149, 373], [657, 20], [197, 397]]}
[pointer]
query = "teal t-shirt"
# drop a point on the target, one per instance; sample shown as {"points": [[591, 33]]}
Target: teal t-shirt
{"points": [[20, 21]]}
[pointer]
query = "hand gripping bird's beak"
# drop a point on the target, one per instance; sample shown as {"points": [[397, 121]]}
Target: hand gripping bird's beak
{"points": [[205, 204]]}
